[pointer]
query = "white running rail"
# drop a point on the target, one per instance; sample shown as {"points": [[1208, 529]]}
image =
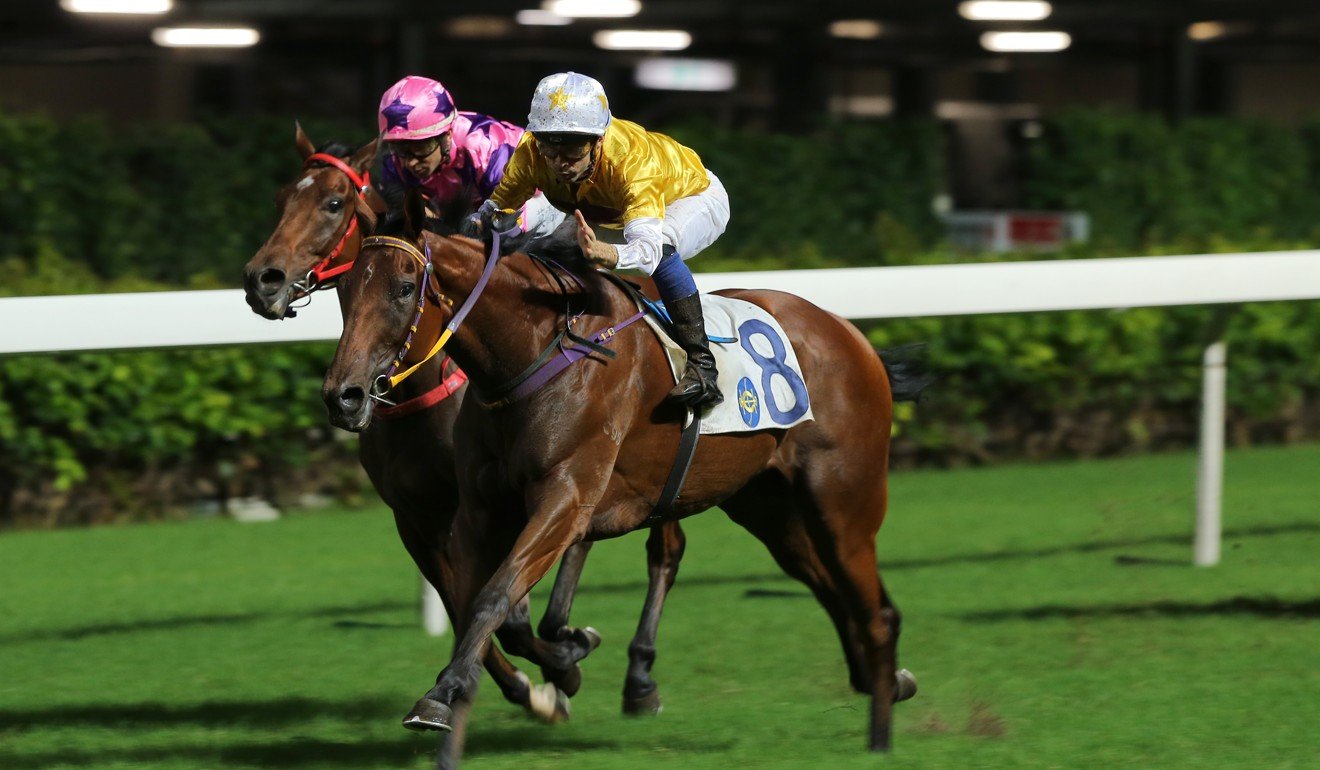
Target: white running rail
{"points": [[195, 318]]}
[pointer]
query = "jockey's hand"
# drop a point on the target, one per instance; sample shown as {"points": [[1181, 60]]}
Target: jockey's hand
{"points": [[473, 225], [596, 251], [505, 221], [476, 223]]}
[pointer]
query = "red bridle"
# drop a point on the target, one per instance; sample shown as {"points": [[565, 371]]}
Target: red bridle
{"points": [[322, 272]]}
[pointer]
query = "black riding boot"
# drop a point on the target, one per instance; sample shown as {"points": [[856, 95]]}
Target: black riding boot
{"points": [[699, 385]]}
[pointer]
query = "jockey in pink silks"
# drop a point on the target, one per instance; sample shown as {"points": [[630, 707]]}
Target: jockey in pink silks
{"points": [[449, 154]]}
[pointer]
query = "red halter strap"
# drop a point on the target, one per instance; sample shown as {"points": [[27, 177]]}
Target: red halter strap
{"points": [[428, 399], [322, 271]]}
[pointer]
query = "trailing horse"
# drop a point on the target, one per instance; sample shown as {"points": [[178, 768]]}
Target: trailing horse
{"points": [[585, 457]]}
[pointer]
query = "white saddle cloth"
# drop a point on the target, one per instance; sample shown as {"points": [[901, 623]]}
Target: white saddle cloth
{"points": [[759, 372]]}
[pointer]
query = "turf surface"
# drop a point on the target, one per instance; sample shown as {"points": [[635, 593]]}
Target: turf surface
{"points": [[1050, 615]]}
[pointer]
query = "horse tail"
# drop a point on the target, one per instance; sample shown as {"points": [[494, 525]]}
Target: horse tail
{"points": [[907, 370]]}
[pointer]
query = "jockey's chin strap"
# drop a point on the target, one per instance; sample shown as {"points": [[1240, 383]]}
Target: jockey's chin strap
{"points": [[391, 379], [322, 271]]}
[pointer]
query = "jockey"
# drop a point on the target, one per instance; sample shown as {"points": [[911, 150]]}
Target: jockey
{"points": [[653, 201], [455, 158]]}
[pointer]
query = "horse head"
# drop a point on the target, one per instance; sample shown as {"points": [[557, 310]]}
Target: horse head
{"points": [[385, 298], [322, 215]]}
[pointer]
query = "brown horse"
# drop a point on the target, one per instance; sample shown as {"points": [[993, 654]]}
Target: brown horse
{"points": [[586, 456], [410, 458]]}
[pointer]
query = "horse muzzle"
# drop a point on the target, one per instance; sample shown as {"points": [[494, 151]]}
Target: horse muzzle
{"points": [[269, 292], [349, 406]]}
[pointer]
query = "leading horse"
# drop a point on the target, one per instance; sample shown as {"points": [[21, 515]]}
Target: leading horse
{"points": [[585, 457]]}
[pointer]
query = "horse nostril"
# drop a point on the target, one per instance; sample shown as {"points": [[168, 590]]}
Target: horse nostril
{"points": [[351, 398], [271, 278]]}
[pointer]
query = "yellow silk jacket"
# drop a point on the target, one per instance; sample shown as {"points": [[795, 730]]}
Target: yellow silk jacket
{"points": [[637, 174]]}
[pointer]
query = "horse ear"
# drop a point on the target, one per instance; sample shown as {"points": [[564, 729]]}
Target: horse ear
{"points": [[365, 156], [300, 140], [414, 214]]}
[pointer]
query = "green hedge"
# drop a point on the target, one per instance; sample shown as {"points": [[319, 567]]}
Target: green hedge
{"points": [[1147, 183], [851, 194], [88, 209], [1095, 383]]}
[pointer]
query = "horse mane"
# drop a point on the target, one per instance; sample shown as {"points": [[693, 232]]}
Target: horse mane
{"points": [[334, 148]]}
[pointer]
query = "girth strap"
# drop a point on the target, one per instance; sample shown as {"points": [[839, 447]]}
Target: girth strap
{"points": [[687, 447]]}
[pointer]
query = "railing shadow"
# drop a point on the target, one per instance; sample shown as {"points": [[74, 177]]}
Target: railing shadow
{"points": [[1261, 607]]}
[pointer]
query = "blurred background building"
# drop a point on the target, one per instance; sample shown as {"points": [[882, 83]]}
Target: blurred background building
{"points": [[780, 64]]}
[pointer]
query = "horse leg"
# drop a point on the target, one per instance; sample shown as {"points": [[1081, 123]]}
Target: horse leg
{"points": [[554, 623], [664, 550], [514, 685], [768, 511], [450, 753], [842, 519], [543, 540]]}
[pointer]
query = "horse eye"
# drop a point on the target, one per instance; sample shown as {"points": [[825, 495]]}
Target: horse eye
{"points": [[407, 289], [334, 205]]}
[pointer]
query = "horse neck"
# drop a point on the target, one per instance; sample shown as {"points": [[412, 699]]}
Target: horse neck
{"points": [[517, 315]]}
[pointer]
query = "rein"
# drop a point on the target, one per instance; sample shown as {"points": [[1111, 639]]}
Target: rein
{"points": [[554, 359], [322, 272]]}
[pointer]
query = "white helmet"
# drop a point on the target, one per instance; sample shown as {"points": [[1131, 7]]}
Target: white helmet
{"points": [[569, 103]]}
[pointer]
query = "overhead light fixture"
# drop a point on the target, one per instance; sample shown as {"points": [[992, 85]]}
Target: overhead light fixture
{"points": [[478, 27], [856, 29], [205, 37], [536, 17], [1025, 42], [686, 74], [1207, 30], [1004, 10], [583, 9], [119, 7], [642, 39]]}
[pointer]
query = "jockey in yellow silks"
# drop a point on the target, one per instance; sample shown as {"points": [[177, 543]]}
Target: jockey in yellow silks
{"points": [[642, 202]]}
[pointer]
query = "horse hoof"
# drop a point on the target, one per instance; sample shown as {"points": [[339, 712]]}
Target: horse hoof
{"points": [[569, 681], [905, 685], [549, 704], [429, 715], [588, 638], [647, 705]]}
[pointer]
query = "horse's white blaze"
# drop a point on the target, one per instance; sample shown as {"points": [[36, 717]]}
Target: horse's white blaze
{"points": [[305, 183]]}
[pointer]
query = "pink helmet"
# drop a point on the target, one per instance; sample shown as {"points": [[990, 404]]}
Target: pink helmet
{"points": [[415, 108]]}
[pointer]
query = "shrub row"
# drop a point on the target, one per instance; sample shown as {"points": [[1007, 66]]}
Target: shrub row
{"points": [[86, 209], [1147, 183]]}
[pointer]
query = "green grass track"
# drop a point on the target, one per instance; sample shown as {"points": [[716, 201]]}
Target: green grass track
{"points": [[1050, 615]]}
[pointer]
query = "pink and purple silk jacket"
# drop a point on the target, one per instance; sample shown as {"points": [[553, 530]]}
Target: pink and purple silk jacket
{"points": [[482, 146]]}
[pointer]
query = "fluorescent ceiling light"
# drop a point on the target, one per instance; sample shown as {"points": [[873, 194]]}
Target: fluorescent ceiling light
{"points": [[126, 7], [1025, 42], [205, 37], [1004, 10], [535, 17], [856, 29], [478, 27], [578, 9], [1207, 30], [686, 74], [642, 39]]}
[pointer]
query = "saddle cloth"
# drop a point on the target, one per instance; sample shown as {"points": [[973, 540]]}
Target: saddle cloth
{"points": [[759, 372]]}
